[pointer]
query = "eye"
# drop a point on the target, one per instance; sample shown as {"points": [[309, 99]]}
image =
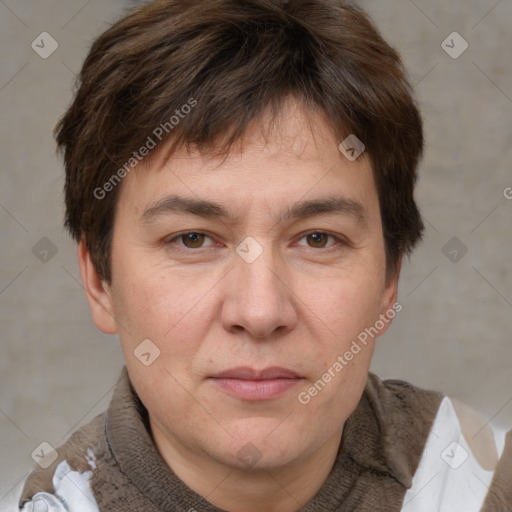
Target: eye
{"points": [[318, 239], [196, 240], [190, 240]]}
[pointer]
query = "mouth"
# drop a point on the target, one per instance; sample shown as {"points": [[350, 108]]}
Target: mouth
{"points": [[249, 384]]}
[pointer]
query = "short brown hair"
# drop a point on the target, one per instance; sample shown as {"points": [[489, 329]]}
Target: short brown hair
{"points": [[236, 58]]}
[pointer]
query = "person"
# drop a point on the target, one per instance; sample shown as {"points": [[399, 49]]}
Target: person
{"points": [[240, 182]]}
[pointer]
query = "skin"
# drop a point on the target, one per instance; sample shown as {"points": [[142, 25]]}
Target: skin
{"points": [[299, 305]]}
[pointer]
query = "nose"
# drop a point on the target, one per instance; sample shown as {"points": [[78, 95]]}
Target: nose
{"points": [[259, 297]]}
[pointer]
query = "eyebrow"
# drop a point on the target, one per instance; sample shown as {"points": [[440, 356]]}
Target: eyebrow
{"points": [[331, 205]]}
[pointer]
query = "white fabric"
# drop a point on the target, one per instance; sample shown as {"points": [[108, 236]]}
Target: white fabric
{"points": [[72, 492], [499, 436], [449, 478]]}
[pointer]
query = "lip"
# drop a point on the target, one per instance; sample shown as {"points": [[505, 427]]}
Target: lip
{"points": [[248, 373], [250, 384]]}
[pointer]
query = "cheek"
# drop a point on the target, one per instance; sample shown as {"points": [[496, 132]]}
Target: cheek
{"points": [[347, 305], [343, 351], [171, 310], [174, 319]]}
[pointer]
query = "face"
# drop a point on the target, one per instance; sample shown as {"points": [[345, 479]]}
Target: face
{"points": [[254, 303]]}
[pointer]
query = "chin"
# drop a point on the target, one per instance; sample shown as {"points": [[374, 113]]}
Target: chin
{"points": [[262, 446]]}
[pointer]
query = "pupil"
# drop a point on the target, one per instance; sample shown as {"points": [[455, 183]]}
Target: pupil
{"points": [[192, 239], [317, 237]]}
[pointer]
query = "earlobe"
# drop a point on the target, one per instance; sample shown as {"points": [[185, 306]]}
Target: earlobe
{"points": [[98, 292]]}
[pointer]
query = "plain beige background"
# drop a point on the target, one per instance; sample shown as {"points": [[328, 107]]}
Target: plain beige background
{"points": [[57, 371]]}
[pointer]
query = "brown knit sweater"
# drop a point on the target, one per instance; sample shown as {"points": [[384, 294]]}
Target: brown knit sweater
{"points": [[382, 444]]}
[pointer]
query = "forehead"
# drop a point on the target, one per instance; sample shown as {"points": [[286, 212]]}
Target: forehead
{"points": [[276, 163]]}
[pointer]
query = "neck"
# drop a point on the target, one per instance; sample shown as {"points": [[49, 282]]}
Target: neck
{"points": [[286, 489]]}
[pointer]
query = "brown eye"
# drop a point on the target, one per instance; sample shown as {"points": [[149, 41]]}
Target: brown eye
{"points": [[318, 240], [193, 240], [187, 242], [322, 240]]}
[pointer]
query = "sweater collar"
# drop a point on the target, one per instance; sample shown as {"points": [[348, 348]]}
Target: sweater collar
{"points": [[384, 435]]}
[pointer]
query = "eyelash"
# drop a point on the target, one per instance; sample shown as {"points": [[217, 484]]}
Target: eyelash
{"points": [[339, 240]]}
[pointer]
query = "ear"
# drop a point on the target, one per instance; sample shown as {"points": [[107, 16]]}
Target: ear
{"points": [[97, 291], [389, 304]]}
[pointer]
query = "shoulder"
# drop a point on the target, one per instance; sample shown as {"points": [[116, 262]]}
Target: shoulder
{"points": [[394, 393], [460, 461], [64, 485], [406, 414], [466, 464]]}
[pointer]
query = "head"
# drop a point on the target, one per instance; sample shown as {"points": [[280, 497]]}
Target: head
{"points": [[218, 218]]}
